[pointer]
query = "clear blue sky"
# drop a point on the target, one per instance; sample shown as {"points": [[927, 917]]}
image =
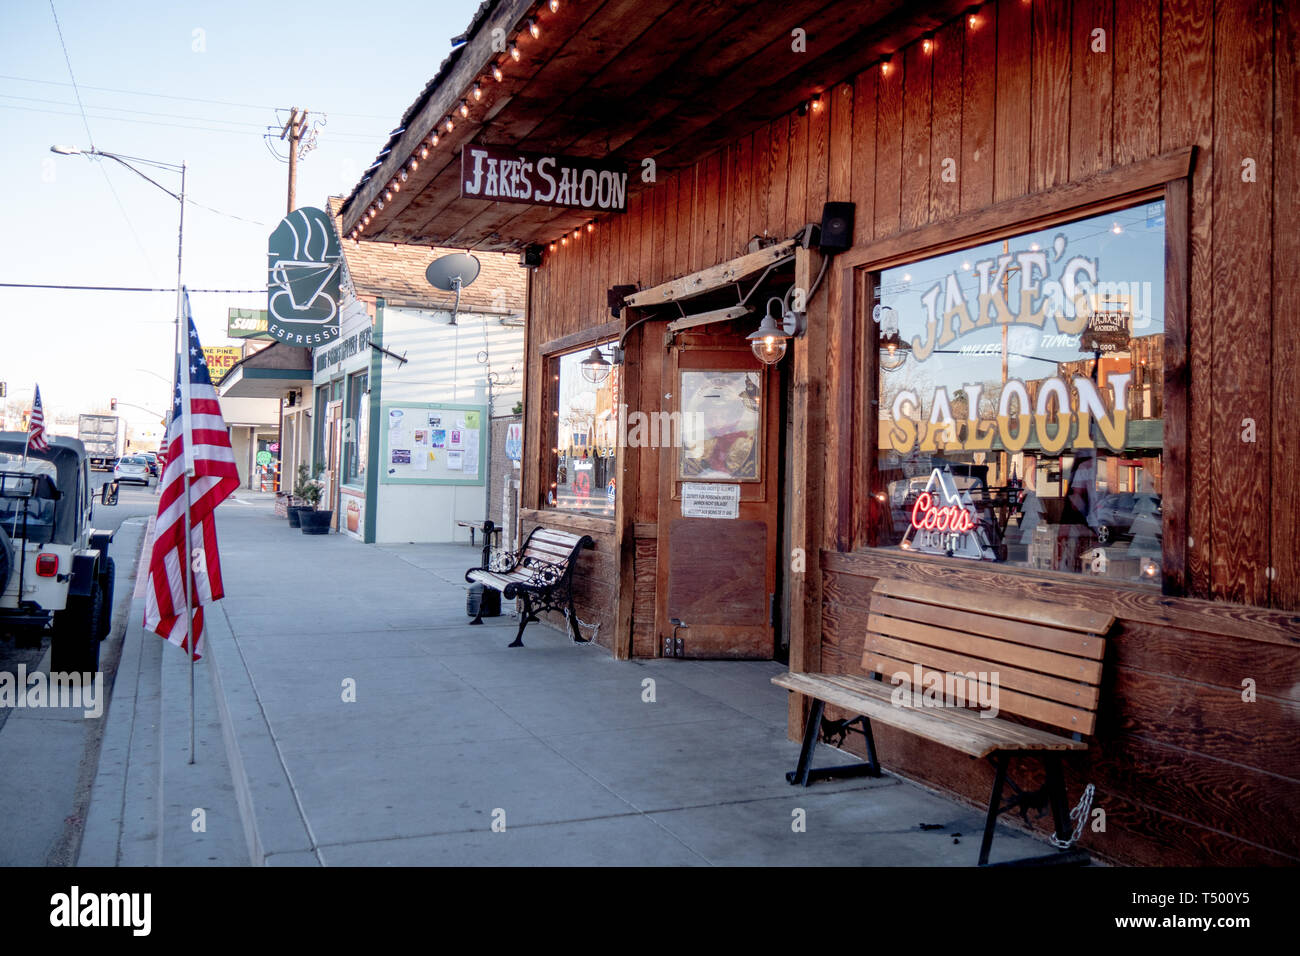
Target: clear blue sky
{"points": [[359, 65]]}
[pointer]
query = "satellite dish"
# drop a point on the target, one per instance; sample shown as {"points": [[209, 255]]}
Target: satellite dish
{"points": [[458, 269], [452, 273]]}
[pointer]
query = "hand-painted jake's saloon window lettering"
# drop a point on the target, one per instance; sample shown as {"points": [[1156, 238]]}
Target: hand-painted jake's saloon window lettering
{"points": [[1021, 402]]}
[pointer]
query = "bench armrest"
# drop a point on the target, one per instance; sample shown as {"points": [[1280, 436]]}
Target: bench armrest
{"points": [[503, 561], [544, 573]]}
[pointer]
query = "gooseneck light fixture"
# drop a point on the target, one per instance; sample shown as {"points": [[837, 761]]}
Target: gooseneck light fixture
{"points": [[770, 339], [595, 367]]}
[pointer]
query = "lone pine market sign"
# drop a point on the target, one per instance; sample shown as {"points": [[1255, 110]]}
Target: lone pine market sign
{"points": [[542, 179]]}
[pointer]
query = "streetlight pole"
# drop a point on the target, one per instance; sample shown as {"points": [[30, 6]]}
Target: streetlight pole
{"points": [[184, 382]]}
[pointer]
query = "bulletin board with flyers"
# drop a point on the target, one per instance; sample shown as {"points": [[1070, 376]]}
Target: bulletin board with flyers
{"points": [[432, 444]]}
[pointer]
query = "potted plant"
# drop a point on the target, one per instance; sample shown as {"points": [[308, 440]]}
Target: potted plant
{"points": [[312, 520], [297, 500]]}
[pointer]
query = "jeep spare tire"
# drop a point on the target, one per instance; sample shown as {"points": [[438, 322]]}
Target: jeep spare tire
{"points": [[6, 559]]}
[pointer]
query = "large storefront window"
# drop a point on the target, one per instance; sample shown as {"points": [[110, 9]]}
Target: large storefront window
{"points": [[586, 436], [356, 427], [1021, 394]]}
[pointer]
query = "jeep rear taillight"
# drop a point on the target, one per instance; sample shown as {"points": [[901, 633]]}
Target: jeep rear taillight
{"points": [[47, 565]]}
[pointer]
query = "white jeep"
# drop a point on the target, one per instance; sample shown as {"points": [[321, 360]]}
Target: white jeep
{"points": [[54, 567]]}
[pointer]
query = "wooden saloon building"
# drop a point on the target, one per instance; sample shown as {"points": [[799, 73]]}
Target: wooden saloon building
{"points": [[1038, 351]]}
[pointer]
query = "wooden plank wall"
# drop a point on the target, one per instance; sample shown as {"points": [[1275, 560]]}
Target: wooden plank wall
{"points": [[1023, 98], [1187, 772], [1020, 99]]}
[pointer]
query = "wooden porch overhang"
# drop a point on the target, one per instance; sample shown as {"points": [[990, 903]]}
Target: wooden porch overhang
{"points": [[630, 80]]}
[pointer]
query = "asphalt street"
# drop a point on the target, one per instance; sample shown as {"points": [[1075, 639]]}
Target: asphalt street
{"points": [[48, 757]]}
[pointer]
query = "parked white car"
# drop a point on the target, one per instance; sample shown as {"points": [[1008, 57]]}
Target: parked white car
{"points": [[133, 468]]}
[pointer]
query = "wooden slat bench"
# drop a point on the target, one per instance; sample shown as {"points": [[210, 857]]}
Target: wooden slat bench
{"points": [[541, 573], [1044, 660]]}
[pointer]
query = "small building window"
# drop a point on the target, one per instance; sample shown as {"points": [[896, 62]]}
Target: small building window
{"points": [[356, 427], [318, 436], [584, 433], [1020, 400]]}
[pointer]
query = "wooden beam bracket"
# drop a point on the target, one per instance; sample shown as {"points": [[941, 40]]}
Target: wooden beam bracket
{"points": [[714, 277]]}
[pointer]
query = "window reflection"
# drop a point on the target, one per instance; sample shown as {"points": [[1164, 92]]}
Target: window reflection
{"points": [[1021, 400], [586, 438]]}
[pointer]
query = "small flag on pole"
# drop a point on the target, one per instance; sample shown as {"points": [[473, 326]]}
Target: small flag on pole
{"points": [[36, 425], [174, 565]]}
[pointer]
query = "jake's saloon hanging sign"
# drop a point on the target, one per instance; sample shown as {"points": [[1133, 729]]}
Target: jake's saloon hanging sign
{"points": [[542, 179]]}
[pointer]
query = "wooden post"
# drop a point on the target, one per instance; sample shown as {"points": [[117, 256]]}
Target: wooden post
{"points": [[807, 473], [628, 470]]}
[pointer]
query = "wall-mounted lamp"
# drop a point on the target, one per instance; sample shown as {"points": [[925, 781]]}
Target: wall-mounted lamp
{"points": [[595, 367], [770, 339]]}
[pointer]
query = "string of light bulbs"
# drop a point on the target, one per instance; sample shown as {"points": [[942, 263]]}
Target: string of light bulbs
{"points": [[814, 102], [496, 70], [513, 54]]}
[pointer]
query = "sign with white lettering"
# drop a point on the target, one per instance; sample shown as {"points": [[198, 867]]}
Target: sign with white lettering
{"points": [[246, 324], [542, 179], [701, 499], [302, 269]]}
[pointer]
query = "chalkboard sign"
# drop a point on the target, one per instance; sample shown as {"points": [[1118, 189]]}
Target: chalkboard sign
{"points": [[431, 444]]}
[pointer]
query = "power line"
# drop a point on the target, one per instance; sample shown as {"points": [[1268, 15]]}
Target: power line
{"points": [[118, 288], [358, 137], [121, 109], [129, 224], [228, 215], [170, 96], [90, 136], [67, 59]]}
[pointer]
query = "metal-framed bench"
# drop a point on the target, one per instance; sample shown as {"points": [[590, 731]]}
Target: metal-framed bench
{"points": [[541, 573], [928, 650]]}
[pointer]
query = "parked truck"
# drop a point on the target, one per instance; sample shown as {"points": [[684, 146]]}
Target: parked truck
{"points": [[103, 436]]}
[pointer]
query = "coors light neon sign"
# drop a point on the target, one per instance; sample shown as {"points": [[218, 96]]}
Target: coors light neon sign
{"points": [[944, 521]]}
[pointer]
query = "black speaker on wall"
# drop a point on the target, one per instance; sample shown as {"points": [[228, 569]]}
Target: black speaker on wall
{"points": [[837, 227], [531, 257], [614, 298]]}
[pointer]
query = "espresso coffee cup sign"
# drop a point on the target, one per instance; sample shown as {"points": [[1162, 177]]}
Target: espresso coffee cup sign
{"points": [[302, 265]]}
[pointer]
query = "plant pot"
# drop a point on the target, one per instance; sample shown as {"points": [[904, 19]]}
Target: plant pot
{"points": [[315, 522], [295, 515]]}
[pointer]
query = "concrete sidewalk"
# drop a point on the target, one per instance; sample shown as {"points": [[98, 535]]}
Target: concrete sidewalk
{"points": [[365, 723]]}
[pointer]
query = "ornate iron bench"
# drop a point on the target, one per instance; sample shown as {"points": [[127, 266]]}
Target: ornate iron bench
{"points": [[541, 573], [1044, 660]]}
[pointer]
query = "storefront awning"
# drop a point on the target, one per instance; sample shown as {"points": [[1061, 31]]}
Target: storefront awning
{"points": [[268, 373], [650, 86]]}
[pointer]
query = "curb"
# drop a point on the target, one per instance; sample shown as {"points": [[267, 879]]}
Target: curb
{"points": [[125, 777], [274, 825]]}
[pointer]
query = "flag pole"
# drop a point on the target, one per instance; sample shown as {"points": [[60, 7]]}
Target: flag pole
{"points": [[182, 343]]}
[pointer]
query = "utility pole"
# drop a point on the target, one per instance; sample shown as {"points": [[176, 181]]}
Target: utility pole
{"points": [[293, 130]]}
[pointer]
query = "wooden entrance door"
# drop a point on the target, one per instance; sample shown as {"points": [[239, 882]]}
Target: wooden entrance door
{"points": [[334, 461], [718, 507]]}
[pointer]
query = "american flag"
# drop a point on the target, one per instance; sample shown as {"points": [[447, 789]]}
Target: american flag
{"points": [[36, 425], [194, 403]]}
